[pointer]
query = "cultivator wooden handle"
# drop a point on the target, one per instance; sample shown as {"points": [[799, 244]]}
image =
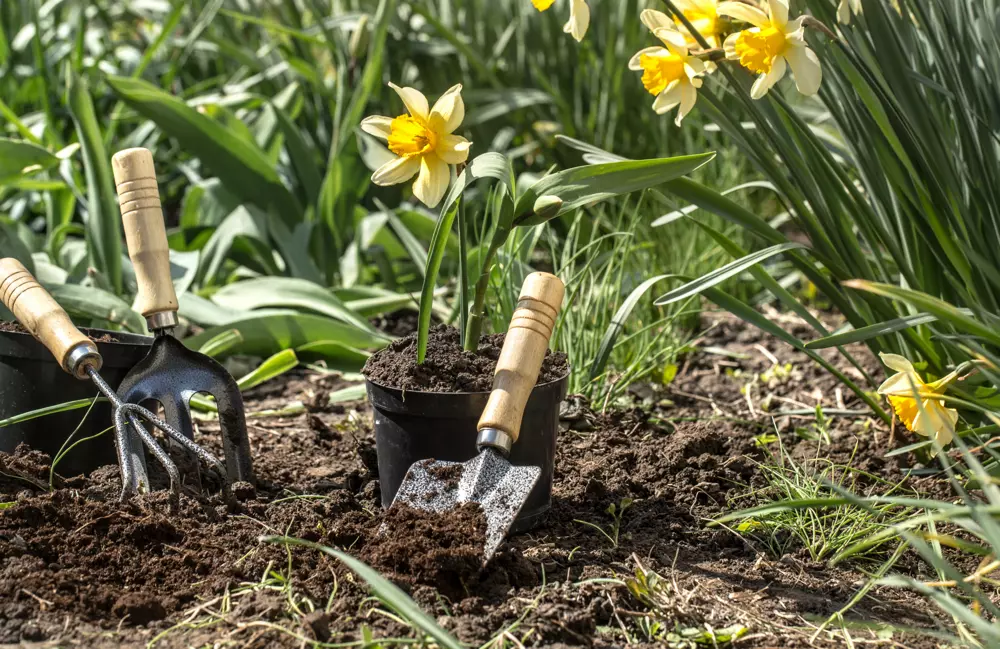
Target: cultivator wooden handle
{"points": [[146, 236], [521, 358], [45, 319]]}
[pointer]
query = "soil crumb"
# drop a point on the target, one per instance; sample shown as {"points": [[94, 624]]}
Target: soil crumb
{"points": [[18, 328], [447, 367], [444, 550]]}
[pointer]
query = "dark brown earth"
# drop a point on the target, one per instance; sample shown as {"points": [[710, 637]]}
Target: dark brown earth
{"points": [[79, 569], [447, 367], [16, 327]]}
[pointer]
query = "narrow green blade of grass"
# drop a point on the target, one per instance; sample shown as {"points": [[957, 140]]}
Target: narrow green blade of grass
{"points": [[103, 240], [238, 162], [383, 589], [873, 331], [48, 410], [618, 323], [336, 355], [352, 393], [722, 274], [935, 306]]}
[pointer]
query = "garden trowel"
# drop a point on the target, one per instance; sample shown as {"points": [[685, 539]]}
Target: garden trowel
{"points": [[489, 479]]}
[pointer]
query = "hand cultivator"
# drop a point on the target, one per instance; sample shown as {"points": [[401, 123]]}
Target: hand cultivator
{"points": [[489, 479], [169, 374]]}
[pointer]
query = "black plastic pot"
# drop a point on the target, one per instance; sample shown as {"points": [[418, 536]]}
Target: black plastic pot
{"points": [[30, 378], [442, 425]]}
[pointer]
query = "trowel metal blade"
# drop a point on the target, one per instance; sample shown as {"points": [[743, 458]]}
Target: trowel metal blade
{"points": [[489, 479]]}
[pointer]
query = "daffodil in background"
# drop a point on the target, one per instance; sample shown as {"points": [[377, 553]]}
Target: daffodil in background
{"points": [[771, 46], [703, 16], [424, 140], [916, 403], [669, 73], [579, 16], [846, 8]]}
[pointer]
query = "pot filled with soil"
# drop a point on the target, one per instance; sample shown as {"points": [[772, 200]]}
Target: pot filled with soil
{"points": [[31, 379], [431, 411]]}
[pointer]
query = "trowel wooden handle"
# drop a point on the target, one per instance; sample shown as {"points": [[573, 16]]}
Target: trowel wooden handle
{"points": [[146, 236], [523, 352], [45, 319]]}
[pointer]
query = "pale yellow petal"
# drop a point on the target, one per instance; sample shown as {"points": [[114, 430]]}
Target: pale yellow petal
{"points": [[744, 12], [765, 82], [377, 125], [397, 171], [635, 63], [779, 11], [654, 20], [805, 68], [675, 41], [453, 149], [903, 384], [432, 181], [688, 98], [844, 13], [413, 99], [730, 46], [896, 362], [669, 98], [448, 111], [936, 421], [579, 19]]}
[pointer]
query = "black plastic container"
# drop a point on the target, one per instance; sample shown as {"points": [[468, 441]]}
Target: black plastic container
{"points": [[30, 378], [414, 426]]}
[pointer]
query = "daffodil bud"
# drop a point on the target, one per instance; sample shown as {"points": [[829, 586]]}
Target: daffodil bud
{"points": [[358, 46], [546, 207]]}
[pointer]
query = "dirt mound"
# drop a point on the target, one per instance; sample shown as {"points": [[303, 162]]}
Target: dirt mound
{"points": [[430, 548], [447, 367]]}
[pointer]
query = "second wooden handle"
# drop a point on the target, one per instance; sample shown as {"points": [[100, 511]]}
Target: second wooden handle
{"points": [[523, 352], [45, 319], [146, 235]]}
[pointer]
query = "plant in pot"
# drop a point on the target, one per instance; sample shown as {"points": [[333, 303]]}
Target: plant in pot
{"points": [[429, 389]]}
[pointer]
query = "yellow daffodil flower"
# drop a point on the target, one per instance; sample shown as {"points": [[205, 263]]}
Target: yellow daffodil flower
{"points": [[846, 8], [916, 403], [703, 16], [579, 16], [669, 73], [424, 140], [771, 46]]}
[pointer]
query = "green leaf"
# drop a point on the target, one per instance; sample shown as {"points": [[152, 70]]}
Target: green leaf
{"points": [[935, 306], [103, 215], [48, 410], [618, 323], [287, 292], [92, 303], [241, 165], [352, 393], [16, 157], [436, 254], [874, 331], [273, 367], [387, 592], [11, 245], [589, 184], [336, 355], [266, 335], [222, 343], [722, 274]]}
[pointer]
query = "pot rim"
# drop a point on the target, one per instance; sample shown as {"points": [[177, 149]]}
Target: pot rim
{"points": [[480, 392], [131, 339]]}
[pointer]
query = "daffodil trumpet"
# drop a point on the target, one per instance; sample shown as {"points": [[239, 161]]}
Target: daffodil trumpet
{"points": [[919, 405]]}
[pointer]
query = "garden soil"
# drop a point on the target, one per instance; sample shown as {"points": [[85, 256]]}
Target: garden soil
{"points": [[78, 568]]}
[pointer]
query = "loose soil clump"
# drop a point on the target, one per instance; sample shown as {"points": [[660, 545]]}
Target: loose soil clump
{"points": [[447, 367], [444, 550]]}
